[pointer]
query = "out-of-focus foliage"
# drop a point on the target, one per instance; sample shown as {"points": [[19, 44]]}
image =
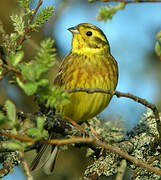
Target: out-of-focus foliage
{"points": [[107, 12], [19, 24], [24, 4], [53, 96], [33, 71], [10, 118], [42, 17], [29, 75], [12, 42]]}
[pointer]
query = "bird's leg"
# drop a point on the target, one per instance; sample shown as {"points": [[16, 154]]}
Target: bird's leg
{"points": [[93, 130], [77, 125]]}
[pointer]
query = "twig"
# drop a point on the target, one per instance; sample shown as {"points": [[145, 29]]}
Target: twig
{"points": [[10, 68], [121, 94], [121, 170], [76, 125], [25, 166], [93, 131], [93, 141], [132, 1], [30, 21]]}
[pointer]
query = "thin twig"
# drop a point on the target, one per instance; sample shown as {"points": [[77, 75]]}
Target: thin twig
{"points": [[132, 1], [76, 125], [93, 131], [25, 166], [93, 141], [121, 94], [30, 21], [10, 68], [121, 170]]}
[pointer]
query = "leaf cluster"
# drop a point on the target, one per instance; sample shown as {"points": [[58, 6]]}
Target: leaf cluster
{"points": [[24, 23], [33, 71], [24, 4], [10, 120], [42, 17], [107, 12], [30, 75]]}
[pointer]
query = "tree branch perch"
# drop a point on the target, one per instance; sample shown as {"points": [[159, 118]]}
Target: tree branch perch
{"points": [[126, 95]]}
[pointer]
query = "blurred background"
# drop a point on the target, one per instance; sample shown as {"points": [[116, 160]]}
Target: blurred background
{"points": [[132, 36]]}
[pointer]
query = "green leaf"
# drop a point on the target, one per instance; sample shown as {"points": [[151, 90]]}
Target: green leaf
{"points": [[28, 70], [34, 132], [24, 3], [47, 53], [43, 82], [53, 96], [18, 23], [42, 17], [40, 123], [108, 12], [15, 59], [11, 111], [13, 146], [33, 71], [29, 87], [39, 69]]}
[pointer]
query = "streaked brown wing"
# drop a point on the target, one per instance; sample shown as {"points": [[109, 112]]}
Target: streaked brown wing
{"points": [[59, 77]]}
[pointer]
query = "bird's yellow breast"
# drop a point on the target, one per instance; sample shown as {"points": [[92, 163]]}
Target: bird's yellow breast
{"points": [[87, 72]]}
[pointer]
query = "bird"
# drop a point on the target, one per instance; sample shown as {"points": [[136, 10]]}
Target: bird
{"points": [[89, 64]]}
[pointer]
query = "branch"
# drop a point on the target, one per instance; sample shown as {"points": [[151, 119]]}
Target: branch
{"points": [[30, 21], [93, 141], [25, 166], [135, 1], [121, 94], [10, 68]]}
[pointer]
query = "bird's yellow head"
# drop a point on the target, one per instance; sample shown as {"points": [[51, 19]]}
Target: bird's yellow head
{"points": [[88, 38]]}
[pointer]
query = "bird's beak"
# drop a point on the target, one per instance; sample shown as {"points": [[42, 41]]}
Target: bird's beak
{"points": [[74, 30]]}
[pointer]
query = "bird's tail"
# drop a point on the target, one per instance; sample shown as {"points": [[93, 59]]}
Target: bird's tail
{"points": [[45, 159]]}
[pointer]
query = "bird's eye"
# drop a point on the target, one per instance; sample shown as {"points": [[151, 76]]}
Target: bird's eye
{"points": [[89, 33]]}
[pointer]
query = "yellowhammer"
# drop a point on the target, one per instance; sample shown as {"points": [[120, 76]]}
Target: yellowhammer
{"points": [[88, 65]]}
